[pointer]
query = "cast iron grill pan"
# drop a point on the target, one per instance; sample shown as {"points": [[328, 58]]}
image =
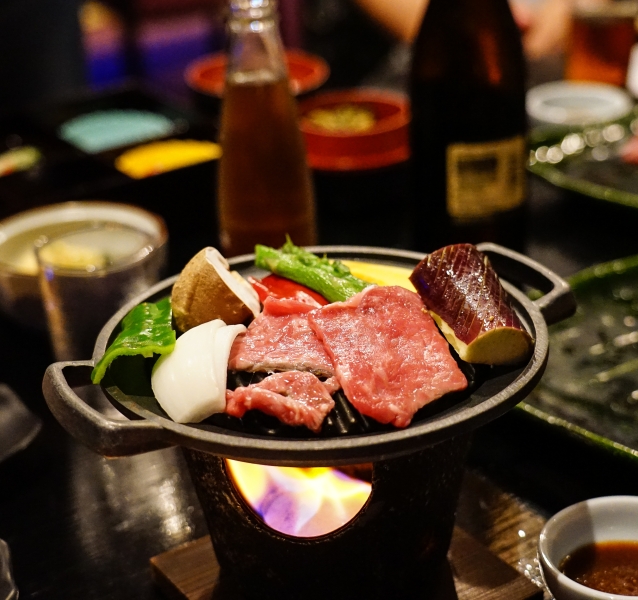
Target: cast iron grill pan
{"points": [[343, 420], [346, 437]]}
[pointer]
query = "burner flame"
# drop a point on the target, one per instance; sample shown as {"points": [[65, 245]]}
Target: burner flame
{"points": [[300, 502]]}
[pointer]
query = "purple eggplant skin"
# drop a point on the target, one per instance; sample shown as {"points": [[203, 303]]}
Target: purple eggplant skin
{"points": [[464, 295]]}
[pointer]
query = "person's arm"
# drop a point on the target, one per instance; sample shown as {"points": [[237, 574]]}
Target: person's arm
{"points": [[548, 29], [544, 27]]}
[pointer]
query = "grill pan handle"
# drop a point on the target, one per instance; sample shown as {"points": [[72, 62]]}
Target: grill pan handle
{"points": [[558, 301], [109, 437]]}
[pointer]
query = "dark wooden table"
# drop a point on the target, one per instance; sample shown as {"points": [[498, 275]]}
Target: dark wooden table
{"points": [[83, 526]]}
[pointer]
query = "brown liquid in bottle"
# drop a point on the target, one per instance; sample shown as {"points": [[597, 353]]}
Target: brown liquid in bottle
{"points": [[265, 191], [467, 89]]}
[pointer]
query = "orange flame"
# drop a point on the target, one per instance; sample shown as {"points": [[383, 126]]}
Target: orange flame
{"points": [[300, 502]]}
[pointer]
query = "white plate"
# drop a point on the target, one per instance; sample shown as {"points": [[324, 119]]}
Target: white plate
{"points": [[576, 104]]}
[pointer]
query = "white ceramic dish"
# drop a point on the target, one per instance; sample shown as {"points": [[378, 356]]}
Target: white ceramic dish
{"points": [[578, 104], [19, 288], [612, 518]]}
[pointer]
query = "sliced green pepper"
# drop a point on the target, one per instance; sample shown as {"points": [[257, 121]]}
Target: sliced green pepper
{"points": [[146, 330], [331, 278]]}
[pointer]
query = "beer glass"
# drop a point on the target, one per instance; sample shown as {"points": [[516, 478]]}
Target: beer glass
{"points": [[602, 35]]}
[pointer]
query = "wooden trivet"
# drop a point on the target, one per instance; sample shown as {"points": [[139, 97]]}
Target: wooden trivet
{"points": [[191, 572]]}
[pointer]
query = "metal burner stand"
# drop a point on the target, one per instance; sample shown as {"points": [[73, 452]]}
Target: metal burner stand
{"points": [[390, 549]]}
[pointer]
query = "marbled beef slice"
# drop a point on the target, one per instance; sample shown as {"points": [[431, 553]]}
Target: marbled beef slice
{"points": [[294, 397], [280, 339], [387, 352]]}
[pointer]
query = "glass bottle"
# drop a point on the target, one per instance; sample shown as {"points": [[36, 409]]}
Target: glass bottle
{"points": [[467, 90], [264, 185]]}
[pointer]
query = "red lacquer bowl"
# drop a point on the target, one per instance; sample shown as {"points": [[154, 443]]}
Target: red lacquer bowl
{"points": [[307, 72], [384, 144]]}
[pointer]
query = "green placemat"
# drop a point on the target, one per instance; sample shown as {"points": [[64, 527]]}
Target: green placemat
{"points": [[590, 386], [587, 161]]}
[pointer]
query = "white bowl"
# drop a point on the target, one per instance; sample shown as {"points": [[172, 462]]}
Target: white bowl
{"points": [[612, 518], [572, 103], [19, 286]]}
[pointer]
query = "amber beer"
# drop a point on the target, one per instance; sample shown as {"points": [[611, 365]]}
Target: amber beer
{"points": [[600, 42], [264, 185], [265, 191]]}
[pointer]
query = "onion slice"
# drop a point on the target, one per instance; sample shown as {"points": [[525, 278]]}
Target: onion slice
{"points": [[190, 382], [224, 338]]}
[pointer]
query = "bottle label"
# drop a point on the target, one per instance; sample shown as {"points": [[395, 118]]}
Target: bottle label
{"points": [[485, 178]]}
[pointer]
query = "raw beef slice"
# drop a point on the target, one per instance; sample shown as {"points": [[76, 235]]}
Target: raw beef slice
{"points": [[294, 397], [280, 339], [388, 354]]}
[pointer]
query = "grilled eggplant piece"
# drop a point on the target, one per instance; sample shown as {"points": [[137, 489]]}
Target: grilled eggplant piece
{"points": [[463, 294]]}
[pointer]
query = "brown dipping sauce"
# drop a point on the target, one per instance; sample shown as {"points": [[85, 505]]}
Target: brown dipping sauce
{"points": [[610, 567]]}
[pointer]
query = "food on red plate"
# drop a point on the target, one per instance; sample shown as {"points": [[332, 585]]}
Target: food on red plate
{"points": [[389, 357], [207, 289], [294, 397], [466, 299], [343, 118], [280, 339]]}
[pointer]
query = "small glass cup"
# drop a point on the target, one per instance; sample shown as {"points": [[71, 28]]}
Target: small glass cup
{"points": [[87, 275]]}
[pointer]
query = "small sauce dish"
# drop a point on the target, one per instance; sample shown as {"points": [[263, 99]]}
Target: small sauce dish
{"points": [[576, 103], [599, 520]]}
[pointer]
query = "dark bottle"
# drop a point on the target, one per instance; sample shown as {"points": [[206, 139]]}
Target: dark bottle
{"points": [[264, 185], [467, 89]]}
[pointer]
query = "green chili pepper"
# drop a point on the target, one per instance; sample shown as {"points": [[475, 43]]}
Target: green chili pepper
{"points": [[331, 278], [146, 330]]}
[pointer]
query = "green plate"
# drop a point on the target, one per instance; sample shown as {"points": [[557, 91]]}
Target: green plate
{"points": [[590, 387], [587, 161]]}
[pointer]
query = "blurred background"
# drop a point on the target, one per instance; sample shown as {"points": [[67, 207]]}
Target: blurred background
{"points": [[53, 49], [65, 58], [74, 73]]}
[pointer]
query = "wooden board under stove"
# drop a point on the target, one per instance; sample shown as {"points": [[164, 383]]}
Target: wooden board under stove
{"points": [[191, 572]]}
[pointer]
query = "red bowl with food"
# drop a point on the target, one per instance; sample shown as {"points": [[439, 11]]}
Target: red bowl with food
{"points": [[355, 129], [307, 72]]}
